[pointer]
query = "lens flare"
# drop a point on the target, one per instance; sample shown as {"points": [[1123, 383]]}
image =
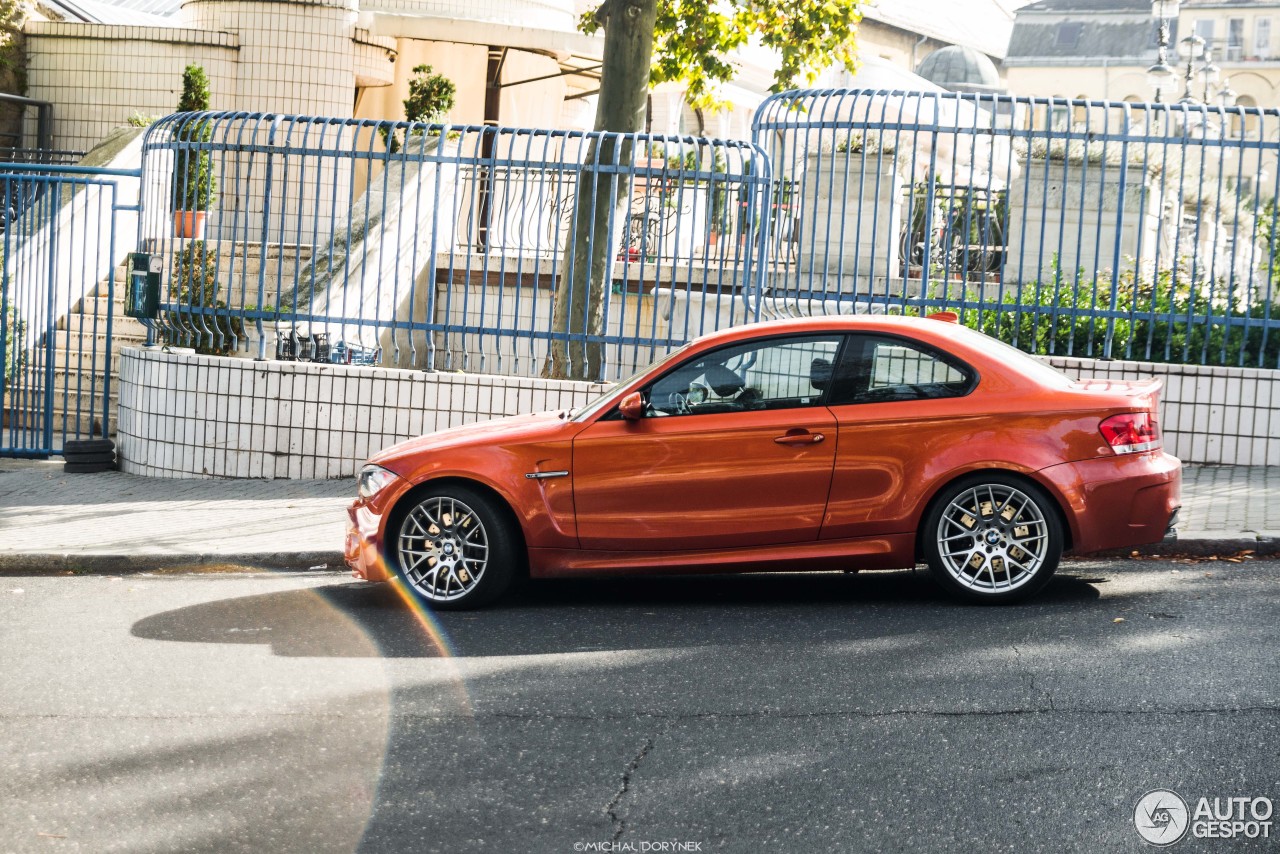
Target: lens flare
{"points": [[435, 633]]}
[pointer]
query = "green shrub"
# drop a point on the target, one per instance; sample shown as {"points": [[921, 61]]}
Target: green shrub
{"points": [[1157, 322], [14, 354], [196, 274]]}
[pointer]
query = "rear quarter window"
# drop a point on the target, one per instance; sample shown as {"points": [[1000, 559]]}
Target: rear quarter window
{"points": [[877, 369]]}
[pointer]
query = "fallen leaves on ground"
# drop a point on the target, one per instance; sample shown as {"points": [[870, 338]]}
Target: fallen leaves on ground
{"points": [[1239, 557]]}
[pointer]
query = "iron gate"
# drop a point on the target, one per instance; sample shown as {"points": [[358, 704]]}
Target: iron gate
{"points": [[57, 287]]}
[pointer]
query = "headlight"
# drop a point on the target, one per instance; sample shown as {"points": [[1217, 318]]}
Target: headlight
{"points": [[372, 480]]}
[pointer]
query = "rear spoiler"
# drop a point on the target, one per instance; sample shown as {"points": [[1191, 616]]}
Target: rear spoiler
{"points": [[1133, 388]]}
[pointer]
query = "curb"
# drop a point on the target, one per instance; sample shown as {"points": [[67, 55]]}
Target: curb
{"points": [[1203, 544], [37, 563]]}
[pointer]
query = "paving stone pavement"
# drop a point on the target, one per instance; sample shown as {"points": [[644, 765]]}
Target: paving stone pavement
{"points": [[1231, 498], [112, 521], [53, 520]]}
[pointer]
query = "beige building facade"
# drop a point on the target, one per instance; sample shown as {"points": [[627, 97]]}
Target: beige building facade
{"points": [[313, 57], [514, 62], [1101, 49]]}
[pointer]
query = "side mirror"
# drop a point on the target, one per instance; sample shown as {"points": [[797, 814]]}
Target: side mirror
{"points": [[631, 407]]}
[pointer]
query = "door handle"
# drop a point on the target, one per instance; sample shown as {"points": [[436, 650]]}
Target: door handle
{"points": [[800, 437]]}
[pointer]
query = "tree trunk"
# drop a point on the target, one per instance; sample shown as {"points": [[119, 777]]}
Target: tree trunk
{"points": [[603, 197]]}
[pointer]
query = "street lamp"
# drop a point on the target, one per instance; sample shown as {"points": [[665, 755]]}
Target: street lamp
{"points": [[1210, 72], [1192, 48], [1226, 95], [1162, 78]]}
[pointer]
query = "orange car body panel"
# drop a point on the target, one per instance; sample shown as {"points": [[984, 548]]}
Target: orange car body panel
{"points": [[716, 492]]}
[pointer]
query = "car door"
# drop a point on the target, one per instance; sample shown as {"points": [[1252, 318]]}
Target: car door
{"points": [[900, 406], [736, 449]]}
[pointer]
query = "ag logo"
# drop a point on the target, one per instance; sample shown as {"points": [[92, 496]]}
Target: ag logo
{"points": [[1161, 817]]}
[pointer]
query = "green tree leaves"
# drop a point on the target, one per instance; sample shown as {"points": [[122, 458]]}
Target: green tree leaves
{"points": [[693, 41]]}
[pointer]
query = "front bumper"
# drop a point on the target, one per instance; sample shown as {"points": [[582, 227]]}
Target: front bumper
{"points": [[363, 550], [1119, 502]]}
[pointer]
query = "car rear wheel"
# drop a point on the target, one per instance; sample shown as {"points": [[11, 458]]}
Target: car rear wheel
{"points": [[993, 538], [454, 547]]}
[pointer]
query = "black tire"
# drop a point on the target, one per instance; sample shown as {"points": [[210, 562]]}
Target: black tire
{"points": [[992, 537], [460, 530], [87, 468], [88, 446], [106, 457]]}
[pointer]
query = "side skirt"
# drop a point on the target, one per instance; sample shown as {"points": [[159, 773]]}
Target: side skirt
{"points": [[894, 551]]}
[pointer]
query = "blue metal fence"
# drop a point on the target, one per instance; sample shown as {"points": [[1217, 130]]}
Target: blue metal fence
{"points": [[1067, 227], [56, 289], [1087, 228], [443, 247]]}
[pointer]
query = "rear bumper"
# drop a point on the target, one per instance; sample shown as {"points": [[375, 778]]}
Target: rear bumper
{"points": [[1119, 502]]}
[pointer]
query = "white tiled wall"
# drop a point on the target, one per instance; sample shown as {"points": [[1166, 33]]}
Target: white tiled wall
{"points": [[299, 58], [294, 57], [1208, 415], [99, 75], [201, 416]]}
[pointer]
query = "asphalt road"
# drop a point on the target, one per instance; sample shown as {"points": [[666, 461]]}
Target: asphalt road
{"points": [[280, 713]]}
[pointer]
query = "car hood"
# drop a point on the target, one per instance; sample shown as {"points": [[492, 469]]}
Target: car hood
{"points": [[500, 431]]}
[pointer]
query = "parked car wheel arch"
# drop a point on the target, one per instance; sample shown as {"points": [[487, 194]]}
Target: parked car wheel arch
{"points": [[411, 496], [926, 507]]}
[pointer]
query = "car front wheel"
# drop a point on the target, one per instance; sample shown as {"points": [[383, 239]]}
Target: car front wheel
{"points": [[454, 547], [993, 538]]}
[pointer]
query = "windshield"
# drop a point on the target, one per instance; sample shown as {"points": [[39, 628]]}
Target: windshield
{"points": [[607, 398]]}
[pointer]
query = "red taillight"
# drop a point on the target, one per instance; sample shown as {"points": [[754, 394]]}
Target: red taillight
{"points": [[1131, 432]]}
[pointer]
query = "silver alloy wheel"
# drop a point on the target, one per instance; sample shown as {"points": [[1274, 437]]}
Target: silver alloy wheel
{"points": [[992, 538], [443, 549]]}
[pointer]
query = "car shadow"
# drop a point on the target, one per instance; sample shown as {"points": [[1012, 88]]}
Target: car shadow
{"points": [[361, 620]]}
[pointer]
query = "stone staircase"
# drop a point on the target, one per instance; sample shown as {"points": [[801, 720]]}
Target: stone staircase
{"points": [[74, 367]]}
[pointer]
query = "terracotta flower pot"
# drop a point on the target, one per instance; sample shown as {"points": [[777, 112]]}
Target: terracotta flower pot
{"points": [[188, 224]]}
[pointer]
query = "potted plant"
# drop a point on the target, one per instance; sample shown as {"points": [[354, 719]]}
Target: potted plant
{"points": [[193, 181]]}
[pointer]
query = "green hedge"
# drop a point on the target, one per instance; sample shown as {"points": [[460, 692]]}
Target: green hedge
{"points": [[1163, 323]]}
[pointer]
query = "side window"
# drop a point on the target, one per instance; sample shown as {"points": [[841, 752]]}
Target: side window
{"points": [[878, 369], [779, 373]]}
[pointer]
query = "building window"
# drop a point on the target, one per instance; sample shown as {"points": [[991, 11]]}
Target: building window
{"points": [[1060, 118], [1068, 34], [1235, 39], [1262, 38], [1204, 29]]}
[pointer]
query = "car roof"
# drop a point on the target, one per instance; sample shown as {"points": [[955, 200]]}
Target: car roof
{"points": [[915, 327], [942, 332]]}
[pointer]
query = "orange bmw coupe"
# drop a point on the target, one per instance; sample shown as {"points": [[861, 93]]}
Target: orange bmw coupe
{"points": [[861, 442]]}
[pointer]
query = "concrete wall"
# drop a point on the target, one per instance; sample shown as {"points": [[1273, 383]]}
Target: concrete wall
{"points": [[1073, 211], [850, 220], [201, 416]]}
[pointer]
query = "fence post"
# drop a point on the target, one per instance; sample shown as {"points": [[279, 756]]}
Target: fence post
{"points": [[262, 247]]}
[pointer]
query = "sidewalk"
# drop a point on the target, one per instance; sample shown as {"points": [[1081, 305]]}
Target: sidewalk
{"points": [[114, 522]]}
